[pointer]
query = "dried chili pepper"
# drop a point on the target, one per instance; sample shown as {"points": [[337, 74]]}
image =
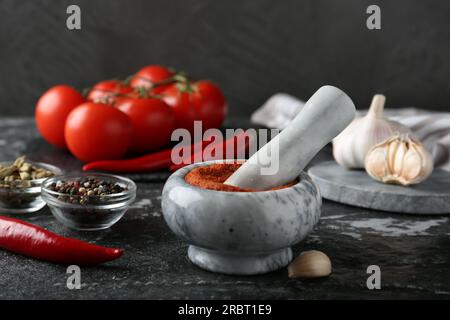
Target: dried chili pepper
{"points": [[32, 241]]}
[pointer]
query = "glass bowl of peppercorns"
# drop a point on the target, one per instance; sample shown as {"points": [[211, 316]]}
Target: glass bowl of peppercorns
{"points": [[88, 202], [20, 185]]}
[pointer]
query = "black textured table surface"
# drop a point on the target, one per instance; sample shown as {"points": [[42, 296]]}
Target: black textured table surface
{"points": [[412, 252]]}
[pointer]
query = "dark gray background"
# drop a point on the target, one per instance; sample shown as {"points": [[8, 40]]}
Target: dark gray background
{"points": [[250, 48]]}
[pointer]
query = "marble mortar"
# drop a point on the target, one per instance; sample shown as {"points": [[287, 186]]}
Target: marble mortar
{"points": [[241, 233]]}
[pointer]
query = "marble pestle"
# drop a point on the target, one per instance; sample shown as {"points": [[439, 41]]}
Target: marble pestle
{"points": [[280, 161]]}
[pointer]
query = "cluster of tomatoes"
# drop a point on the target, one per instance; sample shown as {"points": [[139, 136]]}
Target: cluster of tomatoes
{"points": [[138, 115]]}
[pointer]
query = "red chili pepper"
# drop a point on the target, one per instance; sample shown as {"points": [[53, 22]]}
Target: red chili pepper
{"points": [[150, 162], [158, 160], [147, 163], [29, 240], [233, 142]]}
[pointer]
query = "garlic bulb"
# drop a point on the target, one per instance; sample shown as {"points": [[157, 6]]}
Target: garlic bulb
{"points": [[399, 160], [351, 145]]}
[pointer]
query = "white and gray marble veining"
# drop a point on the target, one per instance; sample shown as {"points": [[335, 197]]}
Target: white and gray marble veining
{"points": [[240, 232]]}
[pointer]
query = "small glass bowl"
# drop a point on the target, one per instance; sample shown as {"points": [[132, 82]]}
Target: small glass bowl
{"points": [[101, 214], [24, 196]]}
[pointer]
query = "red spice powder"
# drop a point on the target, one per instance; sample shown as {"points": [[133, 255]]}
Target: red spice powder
{"points": [[212, 177]]}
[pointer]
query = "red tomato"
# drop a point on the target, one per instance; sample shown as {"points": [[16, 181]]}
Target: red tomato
{"points": [[96, 131], [52, 110], [108, 91], [153, 122], [148, 76], [200, 100]]}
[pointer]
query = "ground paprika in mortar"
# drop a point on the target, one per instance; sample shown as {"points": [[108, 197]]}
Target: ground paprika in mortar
{"points": [[212, 177]]}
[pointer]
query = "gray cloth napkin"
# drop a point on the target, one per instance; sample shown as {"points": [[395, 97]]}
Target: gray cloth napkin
{"points": [[431, 128]]}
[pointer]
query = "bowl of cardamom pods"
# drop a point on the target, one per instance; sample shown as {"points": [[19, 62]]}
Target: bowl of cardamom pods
{"points": [[20, 184]]}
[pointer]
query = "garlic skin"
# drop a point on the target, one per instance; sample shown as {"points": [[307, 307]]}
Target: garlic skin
{"points": [[350, 147], [399, 160], [310, 264]]}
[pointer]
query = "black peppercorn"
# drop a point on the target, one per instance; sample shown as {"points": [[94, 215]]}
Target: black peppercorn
{"points": [[86, 191]]}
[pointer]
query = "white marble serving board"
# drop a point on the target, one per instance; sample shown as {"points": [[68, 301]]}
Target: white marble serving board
{"points": [[355, 187]]}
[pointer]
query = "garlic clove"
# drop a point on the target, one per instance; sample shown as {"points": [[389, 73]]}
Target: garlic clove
{"points": [[420, 159], [310, 264], [412, 164], [399, 160], [379, 155], [397, 155], [394, 144]]}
